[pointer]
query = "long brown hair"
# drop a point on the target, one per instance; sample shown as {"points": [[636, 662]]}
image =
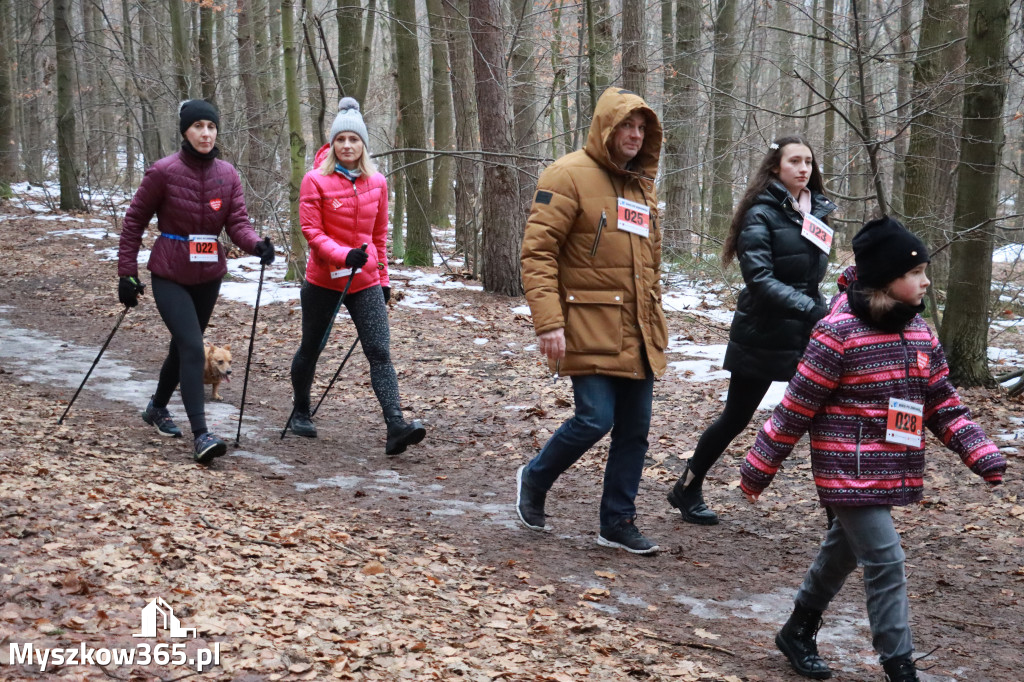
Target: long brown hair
{"points": [[764, 175]]}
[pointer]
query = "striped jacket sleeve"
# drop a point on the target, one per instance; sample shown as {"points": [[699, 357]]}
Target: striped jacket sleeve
{"points": [[817, 376], [950, 421]]}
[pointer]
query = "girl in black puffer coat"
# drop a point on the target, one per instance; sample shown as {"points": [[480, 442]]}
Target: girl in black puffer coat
{"points": [[782, 266]]}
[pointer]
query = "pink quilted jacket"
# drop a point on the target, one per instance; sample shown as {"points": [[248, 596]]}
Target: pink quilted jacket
{"points": [[338, 215], [188, 196]]}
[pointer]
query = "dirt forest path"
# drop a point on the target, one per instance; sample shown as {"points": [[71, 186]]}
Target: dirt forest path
{"points": [[319, 559]]}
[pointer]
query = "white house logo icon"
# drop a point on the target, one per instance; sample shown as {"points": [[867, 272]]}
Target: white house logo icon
{"points": [[159, 609]]}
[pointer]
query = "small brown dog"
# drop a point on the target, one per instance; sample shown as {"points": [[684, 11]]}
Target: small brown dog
{"points": [[218, 367]]}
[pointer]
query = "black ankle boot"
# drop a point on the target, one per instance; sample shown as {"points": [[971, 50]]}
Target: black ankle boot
{"points": [[900, 670], [689, 500], [797, 640], [302, 424], [401, 433]]}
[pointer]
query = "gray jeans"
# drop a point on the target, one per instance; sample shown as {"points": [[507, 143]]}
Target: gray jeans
{"points": [[865, 536]]}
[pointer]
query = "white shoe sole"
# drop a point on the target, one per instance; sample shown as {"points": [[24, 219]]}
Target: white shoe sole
{"points": [[519, 491], [604, 542]]}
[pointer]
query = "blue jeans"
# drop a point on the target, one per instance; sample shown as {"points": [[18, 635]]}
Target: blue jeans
{"points": [[603, 404], [865, 536]]}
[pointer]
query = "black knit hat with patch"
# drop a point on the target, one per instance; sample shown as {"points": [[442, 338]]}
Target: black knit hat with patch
{"points": [[193, 110], [885, 250]]}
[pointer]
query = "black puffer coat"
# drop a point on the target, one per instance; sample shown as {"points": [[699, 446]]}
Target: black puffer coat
{"points": [[780, 303]]}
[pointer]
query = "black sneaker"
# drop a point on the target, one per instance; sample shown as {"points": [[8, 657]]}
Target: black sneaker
{"points": [[628, 537], [161, 419], [208, 446], [530, 504], [302, 425]]}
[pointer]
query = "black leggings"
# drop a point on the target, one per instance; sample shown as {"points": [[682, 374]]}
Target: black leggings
{"points": [[186, 311], [745, 394], [370, 315]]}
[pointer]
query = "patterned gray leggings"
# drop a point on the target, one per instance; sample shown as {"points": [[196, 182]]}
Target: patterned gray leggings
{"points": [[370, 316]]}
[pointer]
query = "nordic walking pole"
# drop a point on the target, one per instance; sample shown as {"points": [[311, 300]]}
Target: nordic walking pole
{"points": [[105, 344], [335, 377], [248, 360], [323, 342]]}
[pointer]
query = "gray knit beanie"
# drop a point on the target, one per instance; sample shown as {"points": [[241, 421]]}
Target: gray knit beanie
{"points": [[349, 120]]}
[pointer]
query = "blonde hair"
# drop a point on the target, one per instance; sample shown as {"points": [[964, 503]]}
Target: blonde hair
{"points": [[366, 164], [880, 302]]}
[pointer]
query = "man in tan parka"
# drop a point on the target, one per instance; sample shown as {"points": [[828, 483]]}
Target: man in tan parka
{"points": [[591, 264]]}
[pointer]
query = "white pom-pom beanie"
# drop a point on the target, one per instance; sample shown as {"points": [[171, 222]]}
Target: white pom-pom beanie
{"points": [[349, 120]]}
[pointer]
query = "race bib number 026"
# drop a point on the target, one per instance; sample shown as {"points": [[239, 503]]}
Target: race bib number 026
{"points": [[202, 248], [634, 217], [905, 423]]}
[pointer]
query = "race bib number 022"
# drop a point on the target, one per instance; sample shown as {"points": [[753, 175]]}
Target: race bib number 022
{"points": [[202, 248]]}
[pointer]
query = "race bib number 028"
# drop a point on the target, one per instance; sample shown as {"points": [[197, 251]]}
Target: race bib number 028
{"points": [[202, 248], [634, 217], [904, 423]]}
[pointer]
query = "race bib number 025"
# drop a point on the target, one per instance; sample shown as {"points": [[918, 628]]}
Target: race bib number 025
{"points": [[634, 217], [202, 248], [905, 423]]}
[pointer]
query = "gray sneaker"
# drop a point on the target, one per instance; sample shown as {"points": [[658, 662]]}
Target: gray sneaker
{"points": [[628, 537], [161, 419], [208, 446], [530, 503]]}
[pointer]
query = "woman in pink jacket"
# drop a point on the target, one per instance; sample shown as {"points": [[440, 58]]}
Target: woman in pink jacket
{"points": [[343, 204]]}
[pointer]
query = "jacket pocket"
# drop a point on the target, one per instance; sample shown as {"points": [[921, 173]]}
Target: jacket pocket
{"points": [[593, 321], [659, 325]]}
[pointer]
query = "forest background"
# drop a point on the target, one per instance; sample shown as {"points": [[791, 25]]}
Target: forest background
{"points": [[913, 108]]}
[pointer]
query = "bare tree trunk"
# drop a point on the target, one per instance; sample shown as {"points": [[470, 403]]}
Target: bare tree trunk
{"points": [[467, 130], [296, 143], [965, 327], [410, 97], [350, 45], [680, 150], [30, 75], [932, 151], [207, 72], [600, 49], [70, 195], [561, 124], [316, 91], [366, 60], [724, 79], [525, 112], [8, 143], [179, 48], [131, 95], [441, 193], [152, 149], [903, 82], [634, 47], [828, 58], [256, 156], [502, 224], [868, 136]]}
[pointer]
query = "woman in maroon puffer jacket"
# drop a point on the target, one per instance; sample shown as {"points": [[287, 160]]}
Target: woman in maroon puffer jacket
{"points": [[343, 205], [194, 196]]}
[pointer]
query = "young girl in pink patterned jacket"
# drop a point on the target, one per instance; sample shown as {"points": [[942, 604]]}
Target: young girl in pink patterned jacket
{"points": [[872, 377]]}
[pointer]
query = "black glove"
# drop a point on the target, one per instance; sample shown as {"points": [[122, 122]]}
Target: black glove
{"points": [[387, 293], [356, 258], [819, 311], [128, 290], [265, 251]]}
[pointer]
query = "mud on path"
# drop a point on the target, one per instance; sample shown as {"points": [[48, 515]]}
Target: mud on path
{"points": [[706, 607]]}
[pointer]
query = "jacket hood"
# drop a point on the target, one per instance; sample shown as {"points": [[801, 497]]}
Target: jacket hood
{"points": [[321, 155], [613, 107], [847, 278]]}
